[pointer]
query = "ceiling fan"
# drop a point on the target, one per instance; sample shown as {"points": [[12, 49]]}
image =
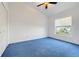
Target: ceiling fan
{"points": [[46, 4]]}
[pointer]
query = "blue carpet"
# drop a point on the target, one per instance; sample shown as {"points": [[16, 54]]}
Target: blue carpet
{"points": [[45, 47]]}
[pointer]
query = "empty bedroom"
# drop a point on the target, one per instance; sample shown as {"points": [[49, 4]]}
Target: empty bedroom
{"points": [[39, 29]]}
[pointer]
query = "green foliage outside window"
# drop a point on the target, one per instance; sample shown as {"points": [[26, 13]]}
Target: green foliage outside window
{"points": [[63, 30]]}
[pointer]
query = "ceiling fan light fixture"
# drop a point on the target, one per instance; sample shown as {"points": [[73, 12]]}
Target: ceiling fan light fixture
{"points": [[45, 4]]}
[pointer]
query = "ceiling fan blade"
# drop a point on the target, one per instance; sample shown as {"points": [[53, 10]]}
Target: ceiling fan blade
{"points": [[40, 4], [53, 2]]}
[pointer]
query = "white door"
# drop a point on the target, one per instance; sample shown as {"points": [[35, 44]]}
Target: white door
{"points": [[3, 28]]}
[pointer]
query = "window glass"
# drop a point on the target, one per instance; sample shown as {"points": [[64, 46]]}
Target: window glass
{"points": [[63, 25]]}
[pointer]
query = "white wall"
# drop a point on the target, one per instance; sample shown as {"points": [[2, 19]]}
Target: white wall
{"points": [[3, 28], [74, 37], [26, 23]]}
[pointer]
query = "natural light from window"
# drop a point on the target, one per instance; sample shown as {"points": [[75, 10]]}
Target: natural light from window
{"points": [[63, 26]]}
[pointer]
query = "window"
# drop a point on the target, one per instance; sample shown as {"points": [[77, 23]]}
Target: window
{"points": [[63, 26]]}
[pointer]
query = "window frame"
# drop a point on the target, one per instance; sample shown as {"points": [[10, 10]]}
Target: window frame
{"points": [[56, 26]]}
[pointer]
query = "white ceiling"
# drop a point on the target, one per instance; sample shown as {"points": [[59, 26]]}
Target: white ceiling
{"points": [[53, 9]]}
